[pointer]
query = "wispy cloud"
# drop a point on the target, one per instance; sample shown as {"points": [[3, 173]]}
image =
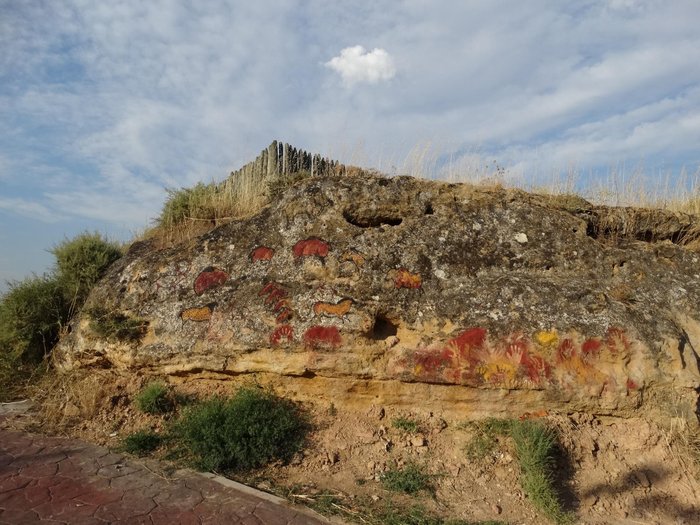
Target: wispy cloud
{"points": [[32, 210]]}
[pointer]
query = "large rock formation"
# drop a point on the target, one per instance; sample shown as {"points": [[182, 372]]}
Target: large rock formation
{"points": [[363, 289]]}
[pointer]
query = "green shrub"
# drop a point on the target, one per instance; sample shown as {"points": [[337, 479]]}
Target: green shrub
{"points": [[155, 398], [248, 430], [116, 326], [32, 313], [141, 442], [406, 424], [81, 262], [412, 478]]}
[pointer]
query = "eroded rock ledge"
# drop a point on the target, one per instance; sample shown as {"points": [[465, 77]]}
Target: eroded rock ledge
{"points": [[397, 290]]}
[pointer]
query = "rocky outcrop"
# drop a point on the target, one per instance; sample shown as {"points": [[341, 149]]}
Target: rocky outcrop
{"points": [[361, 289]]}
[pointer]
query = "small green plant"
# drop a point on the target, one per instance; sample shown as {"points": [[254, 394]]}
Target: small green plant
{"points": [[245, 431], [116, 326], [535, 448], [141, 442], [155, 398], [406, 424], [412, 478], [484, 441]]}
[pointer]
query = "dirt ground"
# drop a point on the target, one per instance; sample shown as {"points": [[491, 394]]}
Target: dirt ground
{"points": [[611, 470]]}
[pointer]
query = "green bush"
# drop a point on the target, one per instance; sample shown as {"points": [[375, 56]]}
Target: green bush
{"points": [[412, 478], [141, 442], [245, 431], [155, 398], [81, 262], [32, 313]]}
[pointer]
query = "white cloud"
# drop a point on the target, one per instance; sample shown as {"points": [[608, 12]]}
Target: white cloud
{"points": [[32, 210], [356, 65]]}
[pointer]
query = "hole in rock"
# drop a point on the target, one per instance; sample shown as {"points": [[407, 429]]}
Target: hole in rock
{"points": [[429, 209], [383, 328], [371, 220]]}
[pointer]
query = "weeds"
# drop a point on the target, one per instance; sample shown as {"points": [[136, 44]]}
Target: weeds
{"points": [[406, 424], [411, 479], [155, 398], [245, 431], [116, 326], [417, 515], [278, 185], [141, 442], [535, 448]]}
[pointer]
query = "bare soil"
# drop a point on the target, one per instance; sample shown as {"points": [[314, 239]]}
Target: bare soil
{"points": [[610, 470]]}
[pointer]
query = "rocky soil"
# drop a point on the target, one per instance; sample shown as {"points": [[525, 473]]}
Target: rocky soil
{"points": [[611, 469]]}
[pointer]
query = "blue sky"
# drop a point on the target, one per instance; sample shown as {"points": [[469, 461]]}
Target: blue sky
{"points": [[105, 104]]}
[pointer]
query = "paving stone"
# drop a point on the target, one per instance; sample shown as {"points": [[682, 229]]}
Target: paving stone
{"points": [[168, 517], [49, 480], [19, 516], [65, 510], [13, 483], [270, 515]]}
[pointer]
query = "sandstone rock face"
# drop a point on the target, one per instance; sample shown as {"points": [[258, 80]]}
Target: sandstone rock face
{"points": [[366, 290]]}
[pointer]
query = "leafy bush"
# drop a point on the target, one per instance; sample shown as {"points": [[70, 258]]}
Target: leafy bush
{"points": [[31, 315], [245, 431], [81, 262], [155, 398], [406, 424], [33, 311], [141, 442], [410, 479], [116, 326]]}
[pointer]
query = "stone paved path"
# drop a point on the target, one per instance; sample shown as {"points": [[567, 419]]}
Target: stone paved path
{"points": [[61, 480]]}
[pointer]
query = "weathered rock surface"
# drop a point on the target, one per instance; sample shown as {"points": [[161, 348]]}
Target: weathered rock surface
{"points": [[363, 289]]}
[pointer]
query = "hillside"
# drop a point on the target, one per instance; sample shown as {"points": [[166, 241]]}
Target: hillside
{"points": [[446, 303]]}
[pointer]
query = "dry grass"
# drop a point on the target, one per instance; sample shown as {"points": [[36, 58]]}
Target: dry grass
{"points": [[64, 398]]}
